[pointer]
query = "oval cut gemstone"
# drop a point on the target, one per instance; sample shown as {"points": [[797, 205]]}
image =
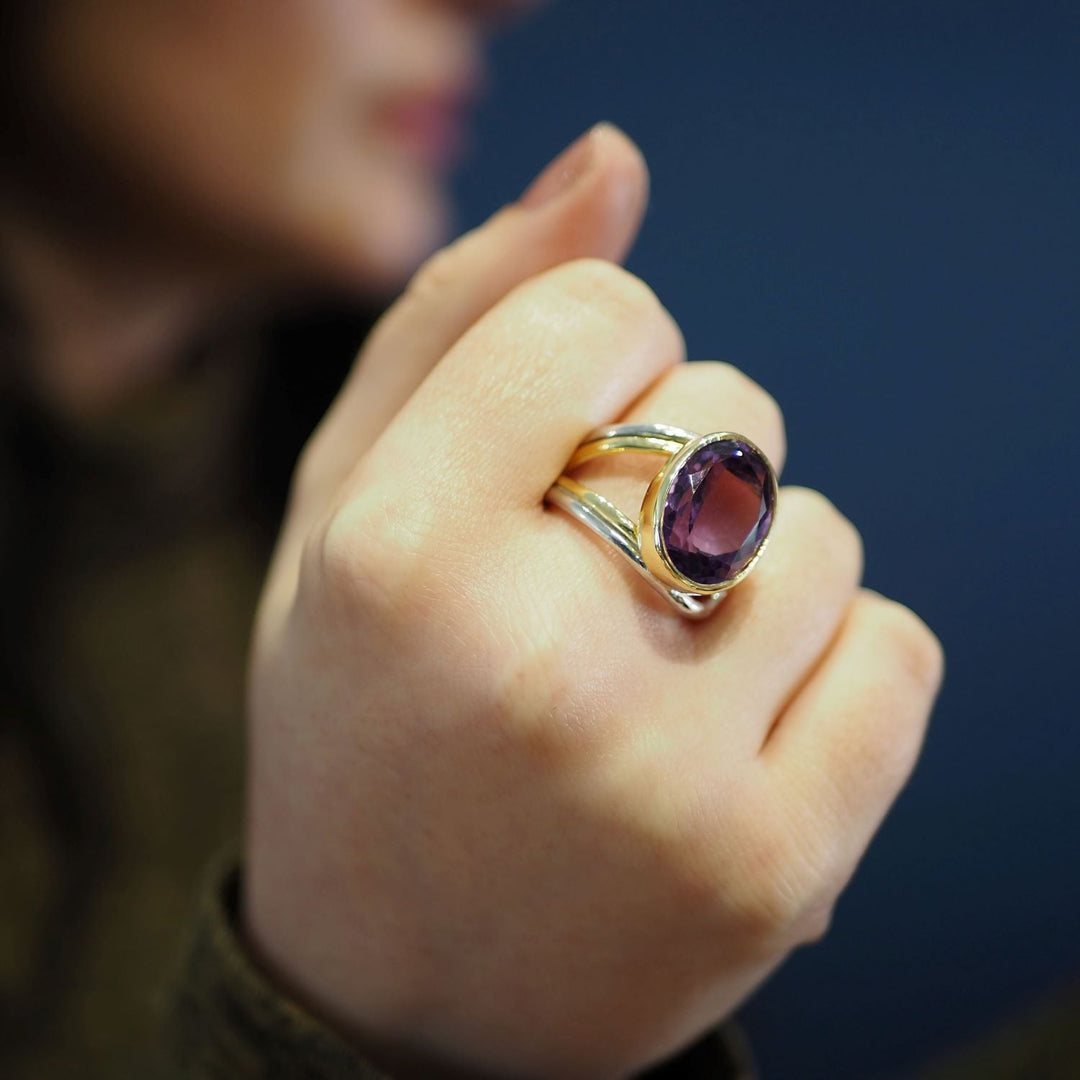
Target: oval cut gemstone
{"points": [[718, 511]]}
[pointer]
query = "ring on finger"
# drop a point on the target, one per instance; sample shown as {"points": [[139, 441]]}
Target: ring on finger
{"points": [[705, 518]]}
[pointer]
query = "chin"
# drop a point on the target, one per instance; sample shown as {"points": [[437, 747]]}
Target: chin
{"points": [[381, 231]]}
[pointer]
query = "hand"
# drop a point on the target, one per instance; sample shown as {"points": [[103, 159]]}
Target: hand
{"points": [[509, 814]]}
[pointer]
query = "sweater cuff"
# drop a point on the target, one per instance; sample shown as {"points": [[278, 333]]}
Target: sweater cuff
{"points": [[226, 1021]]}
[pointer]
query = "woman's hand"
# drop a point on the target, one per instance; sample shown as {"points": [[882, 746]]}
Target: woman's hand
{"points": [[509, 814]]}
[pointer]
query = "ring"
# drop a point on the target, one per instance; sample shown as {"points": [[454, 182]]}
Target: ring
{"points": [[704, 521]]}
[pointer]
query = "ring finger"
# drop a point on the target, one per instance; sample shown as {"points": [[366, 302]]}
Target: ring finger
{"points": [[701, 396], [774, 627]]}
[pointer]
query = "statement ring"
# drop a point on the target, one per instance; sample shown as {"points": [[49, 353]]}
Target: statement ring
{"points": [[704, 521]]}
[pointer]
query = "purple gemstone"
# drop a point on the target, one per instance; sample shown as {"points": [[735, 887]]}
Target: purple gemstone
{"points": [[718, 511]]}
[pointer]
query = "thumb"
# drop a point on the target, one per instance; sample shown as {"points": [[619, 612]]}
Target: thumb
{"points": [[589, 201]]}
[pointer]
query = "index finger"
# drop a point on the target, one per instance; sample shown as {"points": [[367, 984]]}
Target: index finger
{"points": [[495, 421]]}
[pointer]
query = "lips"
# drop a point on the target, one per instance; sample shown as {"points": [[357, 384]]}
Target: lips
{"points": [[428, 124]]}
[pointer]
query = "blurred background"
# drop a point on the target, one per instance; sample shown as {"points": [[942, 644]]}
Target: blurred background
{"points": [[872, 208]]}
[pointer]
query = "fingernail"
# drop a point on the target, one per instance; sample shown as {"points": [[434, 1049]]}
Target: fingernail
{"points": [[562, 173]]}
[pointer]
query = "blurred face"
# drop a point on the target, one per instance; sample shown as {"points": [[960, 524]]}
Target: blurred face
{"points": [[285, 137]]}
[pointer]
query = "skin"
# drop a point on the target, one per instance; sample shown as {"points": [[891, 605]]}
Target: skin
{"points": [[300, 165], [507, 814], [531, 857], [189, 159]]}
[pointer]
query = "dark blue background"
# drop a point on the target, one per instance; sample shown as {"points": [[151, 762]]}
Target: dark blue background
{"points": [[872, 208]]}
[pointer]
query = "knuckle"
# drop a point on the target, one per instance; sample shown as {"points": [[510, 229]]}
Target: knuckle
{"points": [[816, 923], [859, 776], [530, 699], [780, 882], [837, 532], [891, 711], [771, 909], [749, 388], [751, 395], [308, 475], [362, 558], [823, 511], [607, 288], [915, 647], [438, 273]]}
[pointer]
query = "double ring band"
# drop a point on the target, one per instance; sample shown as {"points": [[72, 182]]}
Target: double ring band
{"points": [[705, 518]]}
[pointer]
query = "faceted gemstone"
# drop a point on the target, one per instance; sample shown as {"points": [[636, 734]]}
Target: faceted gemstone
{"points": [[718, 511]]}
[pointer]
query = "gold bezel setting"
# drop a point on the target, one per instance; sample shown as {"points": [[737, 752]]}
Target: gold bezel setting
{"points": [[642, 543], [654, 550]]}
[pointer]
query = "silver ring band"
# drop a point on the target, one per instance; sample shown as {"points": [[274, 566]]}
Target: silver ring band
{"points": [[677, 572]]}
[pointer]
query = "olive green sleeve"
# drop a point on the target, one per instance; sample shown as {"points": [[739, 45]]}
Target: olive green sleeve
{"points": [[226, 1022]]}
